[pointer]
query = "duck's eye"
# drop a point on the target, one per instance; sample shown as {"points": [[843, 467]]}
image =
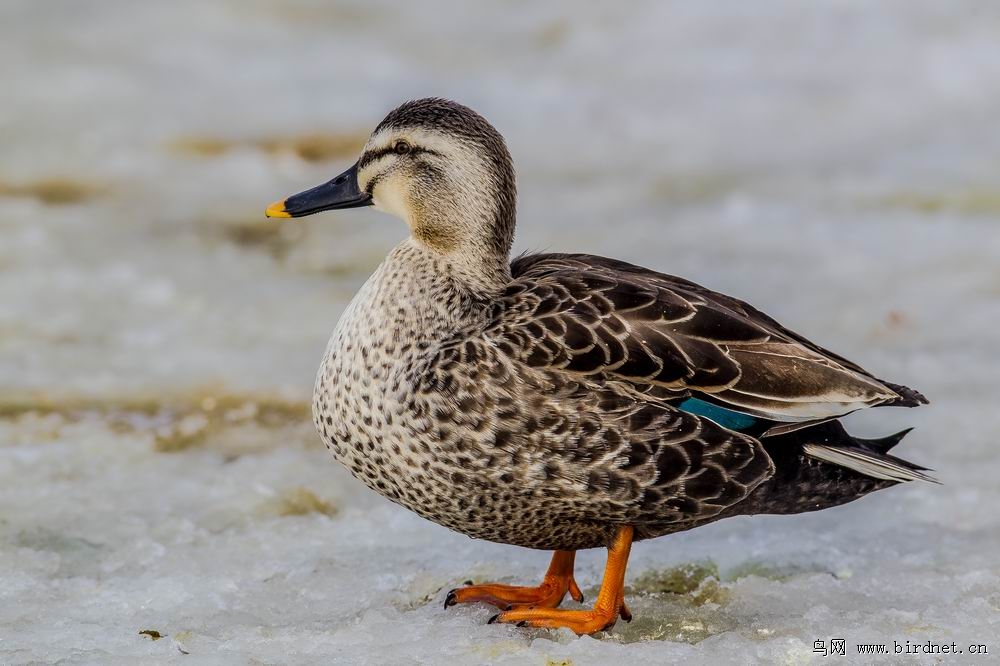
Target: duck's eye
{"points": [[401, 147]]}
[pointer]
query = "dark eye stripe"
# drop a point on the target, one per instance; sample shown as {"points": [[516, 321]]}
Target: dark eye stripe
{"points": [[373, 155]]}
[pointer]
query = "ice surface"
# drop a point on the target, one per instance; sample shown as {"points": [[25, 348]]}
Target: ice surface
{"points": [[836, 165]]}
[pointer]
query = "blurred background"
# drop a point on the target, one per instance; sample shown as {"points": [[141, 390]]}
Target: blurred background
{"points": [[835, 165]]}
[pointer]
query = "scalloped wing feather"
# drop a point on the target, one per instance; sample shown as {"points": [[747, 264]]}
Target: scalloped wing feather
{"points": [[596, 316]]}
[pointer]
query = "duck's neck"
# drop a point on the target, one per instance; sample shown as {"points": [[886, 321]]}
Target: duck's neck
{"points": [[472, 235], [421, 286], [483, 275]]}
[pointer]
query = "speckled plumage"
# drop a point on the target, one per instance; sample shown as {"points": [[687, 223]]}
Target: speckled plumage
{"points": [[537, 404]]}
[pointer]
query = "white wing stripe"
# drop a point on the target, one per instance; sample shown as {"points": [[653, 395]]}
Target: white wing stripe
{"points": [[868, 464]]}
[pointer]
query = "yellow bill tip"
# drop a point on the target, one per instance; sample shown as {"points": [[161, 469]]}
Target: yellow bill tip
{"points": [[277, 209]]}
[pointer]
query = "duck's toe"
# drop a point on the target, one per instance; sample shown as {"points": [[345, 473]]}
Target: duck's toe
{"points": [[557, 582], [578, 621], [547, 595]]}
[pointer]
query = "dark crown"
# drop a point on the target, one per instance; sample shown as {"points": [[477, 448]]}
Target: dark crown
{"points": [[442, 115]]}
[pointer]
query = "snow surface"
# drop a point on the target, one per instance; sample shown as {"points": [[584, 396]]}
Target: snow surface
{"points": [[836, 165]]}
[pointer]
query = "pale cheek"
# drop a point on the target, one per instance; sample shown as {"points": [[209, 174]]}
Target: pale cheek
{"points": [[390, 198]]}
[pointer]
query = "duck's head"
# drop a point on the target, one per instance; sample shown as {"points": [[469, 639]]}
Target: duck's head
{"points": [[439, 166]]}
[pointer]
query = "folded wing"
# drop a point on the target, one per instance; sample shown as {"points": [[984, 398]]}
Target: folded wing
{"points": [[664, 335]]}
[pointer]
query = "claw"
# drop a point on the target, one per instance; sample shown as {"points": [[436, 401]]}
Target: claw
{"points": [[493, 620], [451, 599], [624, 613]]}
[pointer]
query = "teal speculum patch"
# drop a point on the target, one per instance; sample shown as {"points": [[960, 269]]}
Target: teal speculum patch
{"points": [[726, 418]]}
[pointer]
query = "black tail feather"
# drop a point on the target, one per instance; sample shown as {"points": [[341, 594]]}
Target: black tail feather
{"points": [[804, 482], [833, 435], [883, 444]]}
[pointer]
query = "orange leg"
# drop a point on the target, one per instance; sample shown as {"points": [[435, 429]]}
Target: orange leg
{"points": [[558, 580], [609, 605]]}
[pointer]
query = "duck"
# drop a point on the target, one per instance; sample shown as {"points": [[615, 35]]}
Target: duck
{"points": [[565, 402]]}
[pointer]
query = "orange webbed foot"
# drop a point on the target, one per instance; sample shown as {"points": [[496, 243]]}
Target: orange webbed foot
{"points": [[609, 606], [549, 594], [579, 621]]}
